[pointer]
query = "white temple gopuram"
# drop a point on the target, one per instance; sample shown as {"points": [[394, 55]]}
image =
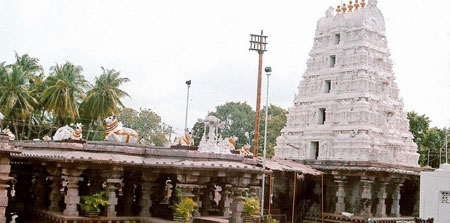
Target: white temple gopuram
{"points": [[348, 122], [348, 106]]}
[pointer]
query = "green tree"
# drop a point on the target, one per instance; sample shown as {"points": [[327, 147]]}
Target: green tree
{"points": [[104, 98], [65, 91], [147, 124], [430, 141], [418, 125], [30, 65], [15, 100]]}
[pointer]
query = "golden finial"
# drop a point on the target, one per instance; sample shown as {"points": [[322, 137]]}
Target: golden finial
{"points": [[338, 9], [363, 3], [350, 6], [356, 5], [344, 8]]}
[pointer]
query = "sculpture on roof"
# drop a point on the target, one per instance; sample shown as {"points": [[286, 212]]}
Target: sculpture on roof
{"points": [[115, 132], [67, 132], [213, 142], [186, 140], [9, 133]]}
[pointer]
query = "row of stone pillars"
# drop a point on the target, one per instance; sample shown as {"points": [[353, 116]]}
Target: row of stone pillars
{"points": [[192, 184], [366, 195]]}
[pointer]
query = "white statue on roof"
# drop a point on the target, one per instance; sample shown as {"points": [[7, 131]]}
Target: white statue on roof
{"points": [[213, 142]]}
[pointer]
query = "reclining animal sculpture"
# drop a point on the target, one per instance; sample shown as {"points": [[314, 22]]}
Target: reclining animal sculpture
{"points": [[115, 132], [67, 132]]}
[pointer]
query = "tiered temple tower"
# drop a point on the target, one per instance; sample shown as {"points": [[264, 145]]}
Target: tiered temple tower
{"points": [[348, 106]]}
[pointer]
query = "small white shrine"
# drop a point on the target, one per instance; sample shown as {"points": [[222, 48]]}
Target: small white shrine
{"points": [[348, 106]]}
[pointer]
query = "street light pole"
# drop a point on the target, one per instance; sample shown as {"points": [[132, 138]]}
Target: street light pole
{"points": [[258, 43], [188, 83], [268, 72]]}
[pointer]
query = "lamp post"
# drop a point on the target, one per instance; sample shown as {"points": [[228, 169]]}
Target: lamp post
{"points": [[258, 43], [268, 72], [188, 83]]}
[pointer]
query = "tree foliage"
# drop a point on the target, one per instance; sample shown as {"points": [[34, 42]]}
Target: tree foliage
{"points": [[104, 98], [147, 124], [65, 91], [430, 141]]}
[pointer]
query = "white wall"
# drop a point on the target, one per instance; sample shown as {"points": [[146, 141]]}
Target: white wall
{"points": [[432, 184]]}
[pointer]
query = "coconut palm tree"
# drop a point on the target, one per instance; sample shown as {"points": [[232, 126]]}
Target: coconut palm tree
{"points": [[65, 91], [28, 64], [15, 100], [104, 98]]}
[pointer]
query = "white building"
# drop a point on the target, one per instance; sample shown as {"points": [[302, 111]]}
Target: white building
{"points": [[348, 105], [348, 119], [435, 194]]}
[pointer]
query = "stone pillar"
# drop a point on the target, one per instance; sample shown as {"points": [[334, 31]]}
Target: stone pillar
{"points": [[255, 191], [111, 187], [72, 198], [148, 182], [236, 206], [340, 194], [239, 185], [55, 196], [395, 208], [5, 169], [128, 197], [113, 181], [225, 201], [201, 194], [381, 206], [366, 197], [188, 182], [39, 190], [4, 179]]}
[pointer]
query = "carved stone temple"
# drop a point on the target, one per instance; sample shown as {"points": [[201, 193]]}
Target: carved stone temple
{"points": [[348, 119]]}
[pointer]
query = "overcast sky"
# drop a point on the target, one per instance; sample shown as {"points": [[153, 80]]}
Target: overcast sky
{"points": [[161, 44]]}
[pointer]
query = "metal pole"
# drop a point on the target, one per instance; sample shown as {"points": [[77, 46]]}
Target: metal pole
{"points": [[265, 145], [187, 105]]}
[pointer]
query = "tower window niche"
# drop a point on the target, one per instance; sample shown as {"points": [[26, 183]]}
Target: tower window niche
{"points": [[337, 38], [314, 150], [332, 60], [322, 116], [327, 86]]}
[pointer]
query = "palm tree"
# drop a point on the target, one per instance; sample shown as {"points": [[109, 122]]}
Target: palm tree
{"points": [[15, 100], [28, 64], [104, 99], [65, 90]]}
